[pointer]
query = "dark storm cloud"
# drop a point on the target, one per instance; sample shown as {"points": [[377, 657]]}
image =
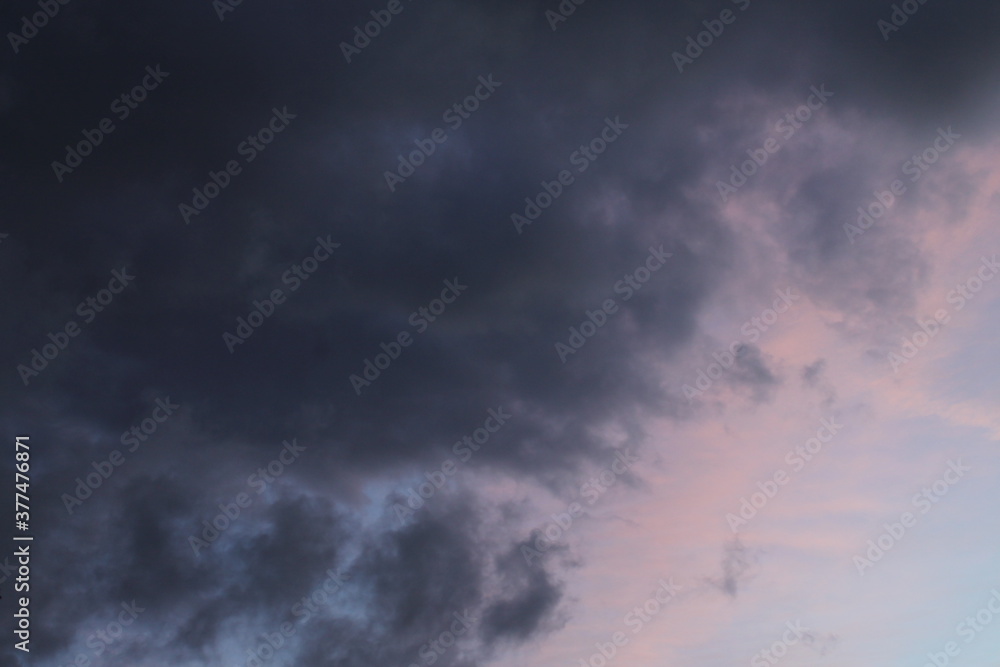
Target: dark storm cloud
{"points": [[520, 617], [193, 282], [397, 589], [323, 177]]}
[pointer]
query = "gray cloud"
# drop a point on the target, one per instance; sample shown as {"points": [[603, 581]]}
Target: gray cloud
{"points": [[323, 176]]}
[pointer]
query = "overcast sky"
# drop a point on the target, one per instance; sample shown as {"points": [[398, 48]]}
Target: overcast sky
{"points": [[496, 333]]}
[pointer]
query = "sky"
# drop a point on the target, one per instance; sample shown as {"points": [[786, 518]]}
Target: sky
{"points": [[527, 334]]}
